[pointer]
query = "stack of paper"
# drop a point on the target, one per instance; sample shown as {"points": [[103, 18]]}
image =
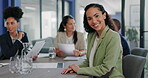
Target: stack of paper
{"points": [[67, 48], [71, 58]]}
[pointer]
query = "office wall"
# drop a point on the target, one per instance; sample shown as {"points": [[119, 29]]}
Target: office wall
{"points": [[1, 17], [3, 4]]}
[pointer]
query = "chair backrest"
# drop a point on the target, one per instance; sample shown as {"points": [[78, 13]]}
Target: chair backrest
{"points": [[133, 66], [139, 51]]}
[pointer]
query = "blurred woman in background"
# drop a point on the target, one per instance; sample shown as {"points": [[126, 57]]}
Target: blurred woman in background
{"points": [[68, 35]]}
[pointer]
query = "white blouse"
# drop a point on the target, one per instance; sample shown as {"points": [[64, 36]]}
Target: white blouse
{"points": [[91, 57], [69, 40]]}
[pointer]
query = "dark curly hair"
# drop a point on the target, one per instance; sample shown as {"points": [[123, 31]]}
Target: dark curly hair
{"points": [[108, 20], [63, 23], [14, 12]]}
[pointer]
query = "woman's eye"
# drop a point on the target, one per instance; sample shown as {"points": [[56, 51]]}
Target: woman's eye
{"points": [[7, 23], [88, 18], [12, 23], [97, 15]]}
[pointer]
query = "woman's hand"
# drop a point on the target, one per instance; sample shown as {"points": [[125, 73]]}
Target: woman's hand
{"points": [[74, 67], [68, 70], [59, 52], [71, 69], [20, 35], [79, 52], [34, 57], [76, 53]]}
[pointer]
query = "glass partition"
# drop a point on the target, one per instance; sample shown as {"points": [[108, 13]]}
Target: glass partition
{"points": [[49, 21], [132, 22], [30, 22]]}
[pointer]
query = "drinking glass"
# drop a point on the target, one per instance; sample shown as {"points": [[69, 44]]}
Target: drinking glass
{"points": [[52, 54]]}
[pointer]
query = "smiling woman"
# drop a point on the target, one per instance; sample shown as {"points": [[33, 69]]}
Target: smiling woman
{"points": [[12, 40], [104, 50]]}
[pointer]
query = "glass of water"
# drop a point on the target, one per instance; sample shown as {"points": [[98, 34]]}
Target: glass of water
{"points": [[52, 53]]}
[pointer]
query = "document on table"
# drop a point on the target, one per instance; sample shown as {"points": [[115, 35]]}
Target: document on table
{"points": [[67, 48], [48, 65], [36, 48], [3, 64], [71, 58]]}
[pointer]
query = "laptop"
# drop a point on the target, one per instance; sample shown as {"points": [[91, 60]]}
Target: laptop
{"points": [[36, 48]]}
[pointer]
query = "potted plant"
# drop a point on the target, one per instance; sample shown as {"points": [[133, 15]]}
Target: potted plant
{"points": [[132, 36]]}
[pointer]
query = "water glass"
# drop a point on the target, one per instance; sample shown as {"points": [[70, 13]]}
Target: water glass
{"points": [[52, 55], [51, 49]]}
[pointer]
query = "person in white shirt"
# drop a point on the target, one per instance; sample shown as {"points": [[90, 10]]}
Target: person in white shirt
{"points": [[68, 35]]}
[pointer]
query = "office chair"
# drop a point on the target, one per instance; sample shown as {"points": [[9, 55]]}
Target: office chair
{"points": [[139, 51], [133, 66]]}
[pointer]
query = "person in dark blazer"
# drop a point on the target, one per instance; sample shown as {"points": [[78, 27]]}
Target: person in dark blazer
{"points": [[11, 41], [10, 48], [125, 46]]}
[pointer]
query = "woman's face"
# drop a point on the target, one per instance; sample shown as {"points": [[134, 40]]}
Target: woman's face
{"points": [[96, 19], [11, 24], [70, 26]]}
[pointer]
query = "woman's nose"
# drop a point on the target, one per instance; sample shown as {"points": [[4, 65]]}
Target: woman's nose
{"points": [[73, 24], [9, 26], [94, 20]]}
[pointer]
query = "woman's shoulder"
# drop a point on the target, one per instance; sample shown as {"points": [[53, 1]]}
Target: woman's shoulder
{"points": [[92, 33], [80, 33], [4, 35], [113, 34], [60, 33]]}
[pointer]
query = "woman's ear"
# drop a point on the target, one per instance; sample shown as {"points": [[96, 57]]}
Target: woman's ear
{"points": [[104, 15], [64, 27]]}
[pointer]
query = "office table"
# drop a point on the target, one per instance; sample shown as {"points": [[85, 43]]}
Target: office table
{"points": [[43, 72]]}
